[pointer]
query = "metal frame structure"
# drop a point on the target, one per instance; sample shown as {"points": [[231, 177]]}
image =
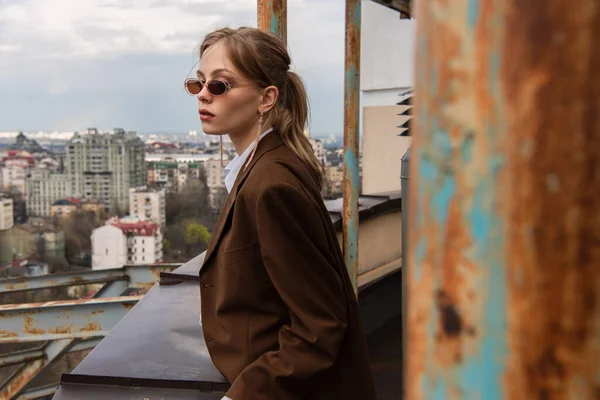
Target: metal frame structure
{"points": [[65, 326]]}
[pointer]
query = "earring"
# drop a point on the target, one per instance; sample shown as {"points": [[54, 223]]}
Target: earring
{"points": [[258, 132]]}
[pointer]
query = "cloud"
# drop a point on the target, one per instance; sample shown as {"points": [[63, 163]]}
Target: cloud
{"points": [[112, 63]]}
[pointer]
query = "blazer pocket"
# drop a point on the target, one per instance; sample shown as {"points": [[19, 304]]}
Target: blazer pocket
{"points": [[237, 256]]}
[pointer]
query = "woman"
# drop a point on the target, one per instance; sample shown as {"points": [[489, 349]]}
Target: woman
{"points": [[279, 315]]}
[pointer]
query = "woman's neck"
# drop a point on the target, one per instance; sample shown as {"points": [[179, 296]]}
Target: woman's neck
{"points": [[242, 142]]}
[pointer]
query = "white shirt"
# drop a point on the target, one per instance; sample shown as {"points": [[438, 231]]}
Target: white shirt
{"points": [[232, 169]]}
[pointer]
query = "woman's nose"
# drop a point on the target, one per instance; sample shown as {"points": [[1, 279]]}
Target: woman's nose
{"points": [[204, 96]]}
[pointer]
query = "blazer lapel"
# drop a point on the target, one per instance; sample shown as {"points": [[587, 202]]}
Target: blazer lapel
{"points": [[269, 142]]}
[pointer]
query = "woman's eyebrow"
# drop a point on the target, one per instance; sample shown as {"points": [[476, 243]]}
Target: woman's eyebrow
{"points": [[218, 71]]}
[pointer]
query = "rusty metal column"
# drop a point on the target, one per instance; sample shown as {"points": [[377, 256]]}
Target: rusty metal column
{"points": [[504, 242], [351, 128], [272, 17]]}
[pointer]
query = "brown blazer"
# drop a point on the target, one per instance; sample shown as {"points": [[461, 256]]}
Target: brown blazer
{"points": [[279, 314]]}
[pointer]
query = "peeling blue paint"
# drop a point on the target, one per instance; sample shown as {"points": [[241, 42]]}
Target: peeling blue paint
{"points": [[473, 13], [274, 21], [417, 265], [357, 14], [351, 166]]}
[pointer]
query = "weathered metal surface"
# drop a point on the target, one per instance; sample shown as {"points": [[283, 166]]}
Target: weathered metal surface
{"points": [[272, 17], [351, 129], [37, 393], [62, 319], [504, 277], [138, 276], [19, 357], [28, 371]]}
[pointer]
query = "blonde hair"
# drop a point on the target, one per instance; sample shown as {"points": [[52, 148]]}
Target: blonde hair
{"points": [[262, 57]]}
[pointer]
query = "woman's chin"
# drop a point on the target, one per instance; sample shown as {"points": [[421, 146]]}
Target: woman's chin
{"points": [[211, 130]]}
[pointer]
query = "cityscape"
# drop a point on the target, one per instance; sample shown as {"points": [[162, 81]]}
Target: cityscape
{"points": [[99, 199]]}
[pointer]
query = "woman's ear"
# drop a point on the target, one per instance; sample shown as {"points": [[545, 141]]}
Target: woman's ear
{"points": [[269, 98]]}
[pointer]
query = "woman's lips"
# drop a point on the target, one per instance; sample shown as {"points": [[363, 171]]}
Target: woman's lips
{"points": [[205, 115]]}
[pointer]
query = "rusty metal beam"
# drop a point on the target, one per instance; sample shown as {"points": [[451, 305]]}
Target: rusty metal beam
{"points": [[272, 17], [37, 361], [504, 260], [351, 139], [28, 371], [404, 7], [23, 356], [62, 319], [139, 276], [37, 393]]}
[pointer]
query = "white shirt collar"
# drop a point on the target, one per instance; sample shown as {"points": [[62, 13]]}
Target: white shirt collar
{"points": [[232, 169]]}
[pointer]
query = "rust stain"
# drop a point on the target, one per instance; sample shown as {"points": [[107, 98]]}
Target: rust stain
{"points": [[7, 334], [97, 312], [61, 330], [22, 378], [30, 328], [91, 327]]}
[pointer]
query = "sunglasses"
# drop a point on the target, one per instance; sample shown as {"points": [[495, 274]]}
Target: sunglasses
{"points": [[215, 87]]}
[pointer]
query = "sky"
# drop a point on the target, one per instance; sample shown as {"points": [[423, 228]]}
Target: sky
{"points": [[68, 65]]}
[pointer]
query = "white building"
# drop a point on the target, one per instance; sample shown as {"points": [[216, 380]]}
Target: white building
{"points": [[148, 204], [129, 240], [319, 150], [14, 173], [6, 213], [387, 58]]}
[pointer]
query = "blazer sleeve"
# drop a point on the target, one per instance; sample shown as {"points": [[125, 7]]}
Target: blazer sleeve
{"points": [[299, 262]]}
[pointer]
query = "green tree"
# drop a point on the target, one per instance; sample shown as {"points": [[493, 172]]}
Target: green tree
{"points": [[196, 233]]}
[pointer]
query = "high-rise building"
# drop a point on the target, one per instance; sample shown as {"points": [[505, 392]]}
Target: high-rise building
{"points": [[99, 166], [105, 166]]}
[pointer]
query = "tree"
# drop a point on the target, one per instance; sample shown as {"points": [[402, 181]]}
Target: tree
{"points": [[196, 233], [190, 202]]}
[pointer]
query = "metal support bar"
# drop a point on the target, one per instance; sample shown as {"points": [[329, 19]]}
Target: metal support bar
{"points": [[28, 371], [351, 139], [19, 357], [62, 319], [37, 393], [139, 276], [504, 266], [272, 17]]}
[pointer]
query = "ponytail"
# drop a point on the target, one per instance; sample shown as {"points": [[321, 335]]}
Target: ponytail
{"points": [[291, 117]]}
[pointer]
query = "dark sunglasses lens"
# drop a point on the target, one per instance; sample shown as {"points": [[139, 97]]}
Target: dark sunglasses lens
{"points": [[217, 88], [193, 86]]}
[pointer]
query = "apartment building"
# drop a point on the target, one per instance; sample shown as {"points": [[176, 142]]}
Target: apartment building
{"points": [[105, 166], [14, 174], [128, 240], [99, 167], [6, 213], [148, 204], [45, 188]]}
